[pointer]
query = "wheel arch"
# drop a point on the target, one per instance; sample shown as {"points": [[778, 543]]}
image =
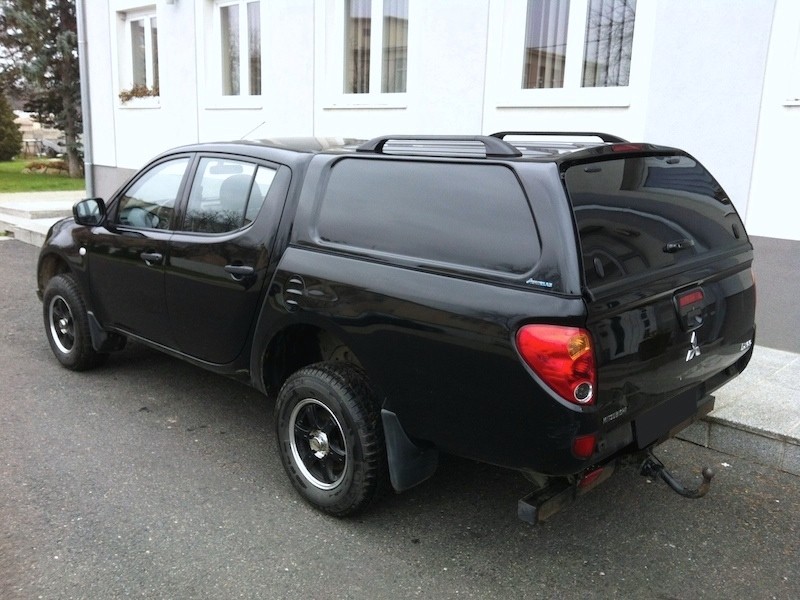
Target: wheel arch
{"points": [[50, 265], [298, 345], [302, 344], [68, 324]]}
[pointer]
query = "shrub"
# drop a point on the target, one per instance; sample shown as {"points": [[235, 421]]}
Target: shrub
{"points": [[10, 136], [137, 91]]}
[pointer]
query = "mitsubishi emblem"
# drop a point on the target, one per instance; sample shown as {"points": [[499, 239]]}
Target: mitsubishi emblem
{"points": [[695, 349]]}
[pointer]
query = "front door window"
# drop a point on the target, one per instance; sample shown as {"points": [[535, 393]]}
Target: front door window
{"points": [[150, 202]]}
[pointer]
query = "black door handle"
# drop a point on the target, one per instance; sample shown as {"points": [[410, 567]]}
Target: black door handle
{"points": [[676, 245], [239, 272], [151, 258]]}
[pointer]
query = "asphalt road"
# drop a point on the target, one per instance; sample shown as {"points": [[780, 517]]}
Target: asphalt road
{"points": [[777, 289], [149, 478]]}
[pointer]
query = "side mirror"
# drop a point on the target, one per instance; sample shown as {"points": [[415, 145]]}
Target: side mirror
{"points": [[90, 211]]}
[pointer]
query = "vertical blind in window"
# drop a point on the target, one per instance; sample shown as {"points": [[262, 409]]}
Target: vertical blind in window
{"points": [[229, 24], [545, 44], [390, 49], [358, 23], [138, 53], [609, 40], [254, 46], [395, 46], [154, 45], [144, 52]]}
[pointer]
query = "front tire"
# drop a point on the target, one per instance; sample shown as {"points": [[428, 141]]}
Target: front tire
{"points": [[67, 326], [330, 438]]}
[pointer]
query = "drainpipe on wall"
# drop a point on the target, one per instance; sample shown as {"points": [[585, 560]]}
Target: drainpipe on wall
{"points": [[88, 170]]}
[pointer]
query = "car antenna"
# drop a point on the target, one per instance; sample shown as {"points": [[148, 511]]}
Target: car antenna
{"points": [[253, 129]]}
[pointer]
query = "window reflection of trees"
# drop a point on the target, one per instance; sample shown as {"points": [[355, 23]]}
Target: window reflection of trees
{"points": [[609, 43], [629, 210]]}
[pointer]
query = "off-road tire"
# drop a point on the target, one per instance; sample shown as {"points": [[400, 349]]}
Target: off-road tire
{"points": [[330, 438], [67, 326]]}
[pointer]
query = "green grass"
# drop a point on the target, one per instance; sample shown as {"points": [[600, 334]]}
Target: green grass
{"points": [[12, 179]]}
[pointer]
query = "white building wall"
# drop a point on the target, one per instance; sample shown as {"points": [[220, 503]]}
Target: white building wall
{"points": [[145, 127], [774, 209], [707, 72], [446, 73], [102, 106], [286, 105], [697, 77], [618, 111]]}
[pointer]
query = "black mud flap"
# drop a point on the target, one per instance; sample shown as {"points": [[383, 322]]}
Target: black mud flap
{"points": [[409, 464], [102, 340]]}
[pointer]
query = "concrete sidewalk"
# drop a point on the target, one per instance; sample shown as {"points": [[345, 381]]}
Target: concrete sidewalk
{"points": [[756, 416], [27, 216]]}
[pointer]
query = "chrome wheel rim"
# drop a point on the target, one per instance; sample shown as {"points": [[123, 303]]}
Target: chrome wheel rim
{"points": [[62, 324], [318, 445]]}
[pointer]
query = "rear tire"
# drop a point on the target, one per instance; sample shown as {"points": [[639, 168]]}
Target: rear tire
{"points": [[330, 438], [67, 326]]}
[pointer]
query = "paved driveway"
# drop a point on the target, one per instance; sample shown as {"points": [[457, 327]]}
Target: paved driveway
{"points": [[149, 478]]}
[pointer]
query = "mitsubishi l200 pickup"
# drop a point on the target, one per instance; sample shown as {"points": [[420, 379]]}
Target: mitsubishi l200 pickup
{"points": [[545, 302]]}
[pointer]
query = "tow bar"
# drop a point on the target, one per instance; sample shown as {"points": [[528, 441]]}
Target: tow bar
{"points": [[652, 467], [543, 503]]}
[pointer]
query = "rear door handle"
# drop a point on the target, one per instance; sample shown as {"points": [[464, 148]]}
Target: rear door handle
{"points": [[151, 258], [239, 272], [677, 245]]}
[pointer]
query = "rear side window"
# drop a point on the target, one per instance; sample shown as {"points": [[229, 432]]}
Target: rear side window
{"points": [[226, 195], [642, 214], [463, 215]]}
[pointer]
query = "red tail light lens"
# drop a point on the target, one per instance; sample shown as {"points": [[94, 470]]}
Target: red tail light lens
{"points": [[591, 478], [563, 357], [583, 445]]}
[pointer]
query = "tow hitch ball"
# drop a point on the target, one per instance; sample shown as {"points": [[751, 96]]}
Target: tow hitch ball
{"points": [[652, 467]]}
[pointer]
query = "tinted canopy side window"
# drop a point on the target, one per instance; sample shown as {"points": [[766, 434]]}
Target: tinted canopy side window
{"points": [[464, 215], [642, 214], [150, 202], [226, 195]]}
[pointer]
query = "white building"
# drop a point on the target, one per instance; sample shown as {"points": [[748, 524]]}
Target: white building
{"points": [[718, 78]]}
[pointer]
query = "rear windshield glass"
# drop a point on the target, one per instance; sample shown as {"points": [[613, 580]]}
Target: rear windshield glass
{"points": [[641, 214]]}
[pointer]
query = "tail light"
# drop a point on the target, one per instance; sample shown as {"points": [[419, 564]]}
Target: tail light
{"points": [[563, 358], [591, 478], [583, 446]]}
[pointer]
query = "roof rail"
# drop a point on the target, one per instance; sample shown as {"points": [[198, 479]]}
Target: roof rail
{"points": [[495, 147], [606, 137]]}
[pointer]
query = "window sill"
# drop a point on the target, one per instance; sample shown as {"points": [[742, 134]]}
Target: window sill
{"points": [[367, 101], [137, 103], [566, 98]]}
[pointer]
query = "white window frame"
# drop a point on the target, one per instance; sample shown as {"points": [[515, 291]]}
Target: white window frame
{"points": [[331, 28], [507, 22], [213, 53], [125, 54], [793, 93]]}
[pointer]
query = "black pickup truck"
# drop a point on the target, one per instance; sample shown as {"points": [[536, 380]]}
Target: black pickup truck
{"points": [[548, 304]]}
